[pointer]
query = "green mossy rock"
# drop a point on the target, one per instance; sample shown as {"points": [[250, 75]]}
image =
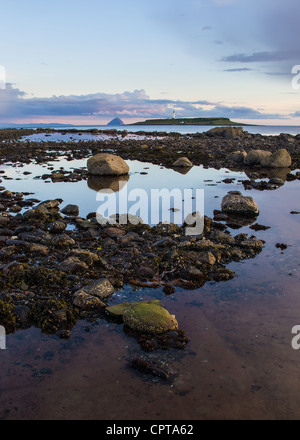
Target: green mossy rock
{"points": [[118, 310], [149, 318]]}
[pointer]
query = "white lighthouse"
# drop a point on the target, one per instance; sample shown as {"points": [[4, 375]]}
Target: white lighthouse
{"points": [[174, 117]]}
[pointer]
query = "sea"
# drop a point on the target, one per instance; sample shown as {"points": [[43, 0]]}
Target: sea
{"points": [[267, 130]]}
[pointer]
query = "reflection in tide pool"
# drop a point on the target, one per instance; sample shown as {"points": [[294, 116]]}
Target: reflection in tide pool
{"points": [[144, 176]]}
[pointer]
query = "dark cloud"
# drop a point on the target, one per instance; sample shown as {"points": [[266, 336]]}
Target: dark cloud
{"points": [[239, 112], [238, 69], [15, 105], [259, 57]]}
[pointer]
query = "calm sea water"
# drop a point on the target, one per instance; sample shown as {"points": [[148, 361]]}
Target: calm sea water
{"points": [[262, 129]]}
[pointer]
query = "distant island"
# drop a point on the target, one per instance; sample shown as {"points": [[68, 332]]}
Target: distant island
{"points": [[189, 121], [116, 122]]}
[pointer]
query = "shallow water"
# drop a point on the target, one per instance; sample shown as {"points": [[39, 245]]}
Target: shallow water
{"points": [[239, 362], [267, 130]]}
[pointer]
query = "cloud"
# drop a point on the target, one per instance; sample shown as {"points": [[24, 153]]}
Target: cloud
{"points": [[137, 104], [240, 112], [238, 69], [16, 105], [260, 31], [259, 57]]}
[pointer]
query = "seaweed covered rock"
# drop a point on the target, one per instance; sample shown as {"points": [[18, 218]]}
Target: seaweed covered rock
{"points": [[226, 132], [149, 318], [118, 310]]}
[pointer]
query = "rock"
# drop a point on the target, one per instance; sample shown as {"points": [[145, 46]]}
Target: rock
{"points": [[72, 210], [146, 272], [239, 205], [255, 157], [278, 159], [63, 241], [23, 313], [87, 256], [183, 162], [36, 236], [206, 258], [238, 156], [114, 232], [85, 301], [57, 227], [149, 318], [222, 237], [106, 164], [71, 265], [227, 132], [100, 288], [36, 248], [118, 310], [57, 176], [276, 181], [152, 368], [49, 204]]}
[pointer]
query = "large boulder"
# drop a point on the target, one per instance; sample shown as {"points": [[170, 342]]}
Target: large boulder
{"points": [[238, 156], [255, 157], [145, 316], [118, 310], [239, 205], [227, 132], [106, 164], [278, 159]]}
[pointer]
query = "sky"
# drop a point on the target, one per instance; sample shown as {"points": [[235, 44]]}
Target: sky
{"points": [[87, 62]]}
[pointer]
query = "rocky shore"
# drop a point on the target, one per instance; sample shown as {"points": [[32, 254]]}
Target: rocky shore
{"points": [[51, 276], [222, 148], [56, 267]]}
